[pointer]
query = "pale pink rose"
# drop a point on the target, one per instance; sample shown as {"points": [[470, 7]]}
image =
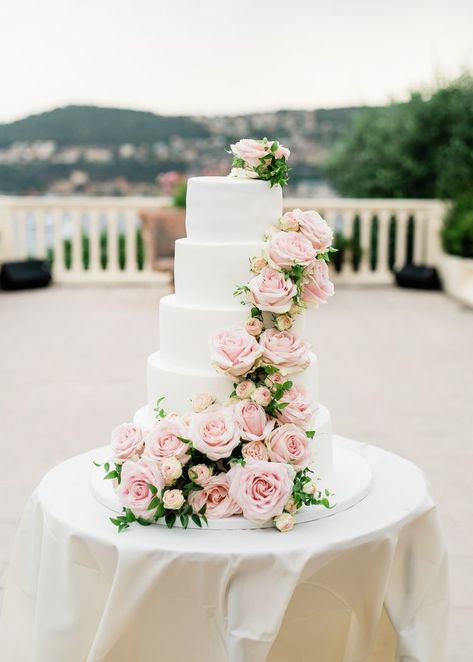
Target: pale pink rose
{"points": [[257, 264], [245, 389], [291, 506], [271, 291], [310, 488], [202, 401], [251, 151], [284, 350], [261, 489], [289, 222], [173, 499], [290, 444], [295, 309], [262, 396], [253, 421], [164, 440], [133, 491], [243, 173], [284, 322], [318, 287], [317, 231], [171, 470], [282, 152], [200, 474], [255, 450], [233, 351], [127, 442], [216, 497], [254, 326], [215, 432], [299, 409], [289, 248], [284, 522]]}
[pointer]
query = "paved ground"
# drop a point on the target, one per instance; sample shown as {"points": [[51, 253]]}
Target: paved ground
{"points": [[396, 370]]}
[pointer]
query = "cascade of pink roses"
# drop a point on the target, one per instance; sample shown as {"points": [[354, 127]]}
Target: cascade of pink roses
{"points": [[251, 455]]}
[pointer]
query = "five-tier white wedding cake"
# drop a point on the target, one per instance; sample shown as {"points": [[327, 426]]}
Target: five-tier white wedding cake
{"points": [[233, 425]]}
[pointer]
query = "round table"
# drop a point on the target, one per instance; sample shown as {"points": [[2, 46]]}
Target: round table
{"points": [[367, 584]]}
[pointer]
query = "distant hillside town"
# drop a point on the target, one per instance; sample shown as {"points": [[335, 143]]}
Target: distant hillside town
{"points": [[106, 151]]}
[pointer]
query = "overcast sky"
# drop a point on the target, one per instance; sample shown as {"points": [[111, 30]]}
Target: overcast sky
{"points": [[225, 56]]}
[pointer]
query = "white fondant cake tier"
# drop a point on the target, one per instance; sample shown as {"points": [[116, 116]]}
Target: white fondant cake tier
{"points": [[322, 424], [185, 329], [179, 384], [231, 209], [208, 273]]}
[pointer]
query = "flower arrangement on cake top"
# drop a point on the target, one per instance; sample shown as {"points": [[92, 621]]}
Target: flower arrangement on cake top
{"points": [[253, 454], [260, 159]]}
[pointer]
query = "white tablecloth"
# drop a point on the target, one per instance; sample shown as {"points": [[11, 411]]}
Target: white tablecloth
{"points": [[365, 585]]}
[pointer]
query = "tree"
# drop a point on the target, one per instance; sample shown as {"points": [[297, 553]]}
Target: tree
{"points": [[419, 149]]}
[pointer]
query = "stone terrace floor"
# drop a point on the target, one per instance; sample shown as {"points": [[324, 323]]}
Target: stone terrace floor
{"points": [[396, 371]]}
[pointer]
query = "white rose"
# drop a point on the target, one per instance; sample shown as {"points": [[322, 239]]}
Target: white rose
{"points": [[200, 474], [283, 322], [202, 401], [243, 173], [310, 488], [171, 469], [173, 499], [291, 506]]}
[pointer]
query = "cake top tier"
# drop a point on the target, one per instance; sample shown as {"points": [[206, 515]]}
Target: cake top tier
{"points": [[231, 208]]}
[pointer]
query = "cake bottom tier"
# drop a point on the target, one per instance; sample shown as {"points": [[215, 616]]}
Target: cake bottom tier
{"points": [[322, 424]]}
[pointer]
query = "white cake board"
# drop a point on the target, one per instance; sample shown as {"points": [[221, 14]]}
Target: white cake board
{"points": [[349, 483]]}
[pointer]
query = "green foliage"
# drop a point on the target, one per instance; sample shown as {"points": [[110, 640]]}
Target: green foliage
{"points": [[419, 149], [85, 251], [180, 195], [457, 232]]}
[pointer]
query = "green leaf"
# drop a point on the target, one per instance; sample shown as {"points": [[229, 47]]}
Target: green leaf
{"points": [[106, 467], [203, 510], [184, 441], [130, 517], [111, 474], [184, 520], [196, 520], [170, 519], [310, 433], [152, 488], [96, 463], [154, 503]]}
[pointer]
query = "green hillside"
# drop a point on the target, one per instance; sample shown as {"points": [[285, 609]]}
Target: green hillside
{"points": [[90, 125]]}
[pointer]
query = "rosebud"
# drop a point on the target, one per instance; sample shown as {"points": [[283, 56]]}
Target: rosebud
{"points": [[171, 470], [310, 488], [262, 396], [173, 499], [245, 389], [290, 506], [257, 264], [254, 326], [289, 222], [284, 522], [283, 322], [295, 309], [200, 474], [202, 401], [276, 378]]}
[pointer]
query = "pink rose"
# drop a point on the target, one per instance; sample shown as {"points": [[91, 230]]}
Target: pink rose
{"points": [[289, 248], [245, 389], [275, 378], [215, 432], [299, 409], [255, 450], [133, 491], [233, 351], [200, 474], [164, 440], [253, 421], [284, 350], [317, 231], [319, 286], [261, 489], [216, 497], [173, 499], [254, 326], [290, 444], [284, 322], [282, 152], [262, 396], [126, 442], [258, 264], [271, 291], [251, 151]]}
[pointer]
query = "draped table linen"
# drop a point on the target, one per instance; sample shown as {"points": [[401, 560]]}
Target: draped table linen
{"points": [[365, 585]]}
